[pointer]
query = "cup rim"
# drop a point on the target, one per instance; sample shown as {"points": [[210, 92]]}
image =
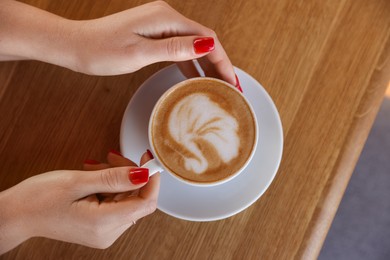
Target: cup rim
{"points": [[194, 183]]}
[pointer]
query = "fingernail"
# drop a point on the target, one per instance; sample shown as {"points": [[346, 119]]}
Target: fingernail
{"points": [[139, 175], [90, 161], [150, 154], [115, 152], [204, 45], [238, 86]]}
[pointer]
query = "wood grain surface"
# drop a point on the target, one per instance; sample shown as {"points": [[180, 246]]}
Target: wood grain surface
{"points": [[326, 64]]}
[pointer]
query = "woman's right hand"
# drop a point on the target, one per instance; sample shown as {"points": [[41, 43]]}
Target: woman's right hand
{"points": [[91, 208]]}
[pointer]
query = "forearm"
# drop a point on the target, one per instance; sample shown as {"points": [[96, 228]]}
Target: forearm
{"points": [[27, 32], [12, 231]]}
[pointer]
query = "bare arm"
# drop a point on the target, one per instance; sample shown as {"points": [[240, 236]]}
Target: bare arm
{"points": [[116, 44], [27, 32], [12, 231]]}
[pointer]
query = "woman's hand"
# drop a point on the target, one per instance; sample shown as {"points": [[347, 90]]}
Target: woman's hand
{"points": [[91, 208], [116, 44], [127, 41]]}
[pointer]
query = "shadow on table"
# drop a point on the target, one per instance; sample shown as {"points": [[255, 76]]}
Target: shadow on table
{"points": [[361, 228]]}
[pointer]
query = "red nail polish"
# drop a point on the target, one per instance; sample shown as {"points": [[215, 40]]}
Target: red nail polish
{"points": [[150, 154], [115, 152], [204, 45], [238, 86], [90, 161], [139, 175]]}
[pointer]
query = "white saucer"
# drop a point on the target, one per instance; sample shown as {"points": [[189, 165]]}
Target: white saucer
{"points": [[207, 203]]}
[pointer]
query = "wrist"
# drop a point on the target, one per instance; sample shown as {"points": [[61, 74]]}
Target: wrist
{"points": [[67, 45], [58, 44], [13, 230], [27, 32]]}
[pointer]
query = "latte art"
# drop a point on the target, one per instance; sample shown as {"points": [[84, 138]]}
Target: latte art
{"points": [[196, 117], [203, 131]]}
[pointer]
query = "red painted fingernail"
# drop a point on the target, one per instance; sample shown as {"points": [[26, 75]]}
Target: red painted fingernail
{"points": [[203, 45], [115, 152], [139, 175], [90, 161], [150, 154], [238, 86]]}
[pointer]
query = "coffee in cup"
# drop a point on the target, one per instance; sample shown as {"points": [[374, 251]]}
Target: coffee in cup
{"points": [[203, 131]]}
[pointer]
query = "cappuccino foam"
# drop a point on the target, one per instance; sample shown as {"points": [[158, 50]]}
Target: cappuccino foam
{"points": [[203, 131]]}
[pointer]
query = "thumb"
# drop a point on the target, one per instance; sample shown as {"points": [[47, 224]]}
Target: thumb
{"points": [[180, 48], [112, 180]]}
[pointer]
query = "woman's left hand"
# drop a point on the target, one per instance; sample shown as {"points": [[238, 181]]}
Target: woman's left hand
{"points": [[129, 40], [116, 44]]}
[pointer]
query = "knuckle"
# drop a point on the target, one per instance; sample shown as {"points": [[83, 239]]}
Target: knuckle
{"points": [[99, 238], [137, 53], [69, 178], [96, 241], [110, 179], [160, 3], [151, 207], [160, 7], [103, 243], [68, 181], [100, 232], [96, 224]]}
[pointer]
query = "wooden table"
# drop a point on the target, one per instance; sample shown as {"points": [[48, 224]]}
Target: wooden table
{"points": [[326, 64]]}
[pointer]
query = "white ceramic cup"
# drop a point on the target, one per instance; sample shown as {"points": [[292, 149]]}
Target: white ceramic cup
{"points": [[155, 164]]}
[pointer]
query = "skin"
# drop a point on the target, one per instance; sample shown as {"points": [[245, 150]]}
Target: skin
{"points": [[92, 207], [95, 206], [120, 43]]}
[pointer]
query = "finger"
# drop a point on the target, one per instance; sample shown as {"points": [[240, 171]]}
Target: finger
{"points": [[175, 24], [94, 167], [146, 157], [218, 65], [111, 180], [178, 48], [210, 54], [208, 68], [151, 190], [121, 196], [134, 207], [188, 69], [105, 197], [92, 199], [115, 159]]}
